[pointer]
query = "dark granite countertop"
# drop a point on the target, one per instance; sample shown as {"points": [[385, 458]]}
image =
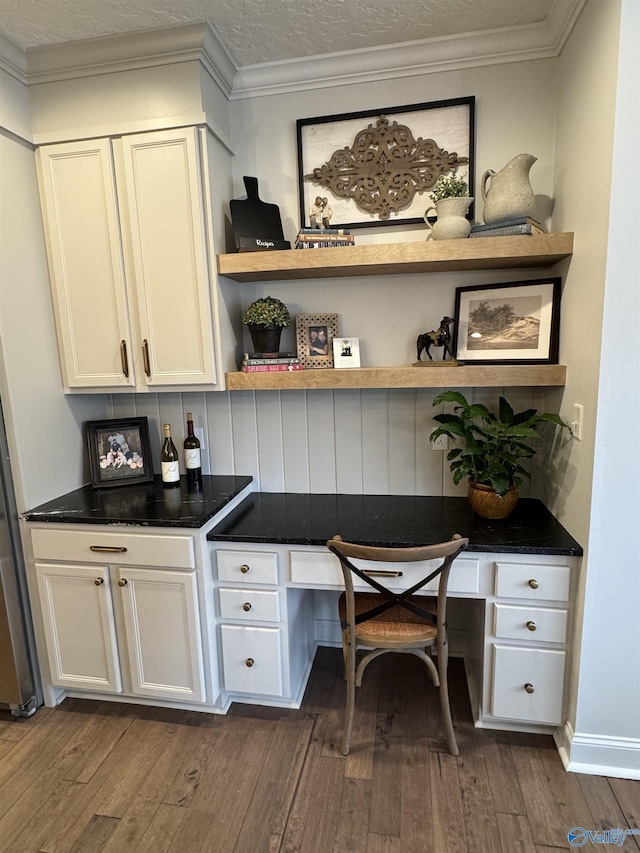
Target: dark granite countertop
{"points": [[392, 520], [148, 504]]}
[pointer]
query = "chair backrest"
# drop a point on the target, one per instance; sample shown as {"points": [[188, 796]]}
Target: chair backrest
{"points": [[445, 551]]}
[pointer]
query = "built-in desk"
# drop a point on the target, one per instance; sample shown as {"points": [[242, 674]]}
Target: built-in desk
{"points": [[510, 615]]}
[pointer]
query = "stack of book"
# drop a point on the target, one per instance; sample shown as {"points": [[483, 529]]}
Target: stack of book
{"points": [[264, 362], [505, 227], [323, 238]]}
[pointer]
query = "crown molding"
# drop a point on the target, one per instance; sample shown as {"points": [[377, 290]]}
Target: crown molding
{"points": [[13, 60]]}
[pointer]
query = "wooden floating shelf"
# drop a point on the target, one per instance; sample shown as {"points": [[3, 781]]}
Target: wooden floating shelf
{"points": [[441, 376], [425, 256]]}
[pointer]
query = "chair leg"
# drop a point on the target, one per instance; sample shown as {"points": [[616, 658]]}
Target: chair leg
{"points": [[443, 657], [349, 652]]}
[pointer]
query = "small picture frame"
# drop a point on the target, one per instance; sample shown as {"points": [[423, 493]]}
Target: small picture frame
{"points": [[314, 336], [511, 323], [119, 452], [346, 352]]}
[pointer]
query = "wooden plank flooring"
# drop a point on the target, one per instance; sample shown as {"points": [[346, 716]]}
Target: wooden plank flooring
{"points": [[101, 777]]}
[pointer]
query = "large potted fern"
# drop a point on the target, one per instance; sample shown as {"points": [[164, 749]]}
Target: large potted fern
{"points": [[489, 449]]}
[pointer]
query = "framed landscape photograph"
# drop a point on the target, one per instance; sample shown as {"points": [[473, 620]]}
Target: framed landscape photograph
{"points": [[377, 167], [314, 337], [511, 323], [119, 452]]}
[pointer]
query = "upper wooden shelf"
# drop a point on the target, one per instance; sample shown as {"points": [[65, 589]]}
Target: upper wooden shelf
{"points": [[425, 376], [399, 258]]}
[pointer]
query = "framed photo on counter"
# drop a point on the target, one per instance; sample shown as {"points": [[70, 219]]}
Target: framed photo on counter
{"points": [[119, 452]]}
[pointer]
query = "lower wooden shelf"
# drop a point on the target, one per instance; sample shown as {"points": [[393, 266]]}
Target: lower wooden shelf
{"points": [[427, 376]]}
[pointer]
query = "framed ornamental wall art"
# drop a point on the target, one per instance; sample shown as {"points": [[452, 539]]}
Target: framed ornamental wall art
{"points": [[314, 336], [377, 167], [511, 323]]}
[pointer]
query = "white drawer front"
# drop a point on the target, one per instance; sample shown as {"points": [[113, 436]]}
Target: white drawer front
{"points": [[250, 604], [311, 568], [251, 660], [534, 624], [116, 548], [542, 670], [247, 567], [543, 583]]}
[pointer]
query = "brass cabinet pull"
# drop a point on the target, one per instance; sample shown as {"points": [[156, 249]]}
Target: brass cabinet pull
{"points": [[249, 662], [531, 625], [244, 568], [145, 357], [123, 582], [533, 583], [99, 581], [107, 549], [246, 606], [529, 687], [382, 573], [123, 358]]}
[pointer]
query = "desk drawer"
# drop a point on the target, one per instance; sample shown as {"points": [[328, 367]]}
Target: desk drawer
{"points": [[252, 660], [534, 624], [528, 684], [311, 568], [248, 567], [250, 604], [115, 548], [528, 580]]}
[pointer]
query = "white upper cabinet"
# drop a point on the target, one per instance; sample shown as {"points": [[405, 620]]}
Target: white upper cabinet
{"points": [[127, 243]]}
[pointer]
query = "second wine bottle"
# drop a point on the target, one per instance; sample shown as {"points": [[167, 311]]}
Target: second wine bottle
{"points": [[192, 461]]}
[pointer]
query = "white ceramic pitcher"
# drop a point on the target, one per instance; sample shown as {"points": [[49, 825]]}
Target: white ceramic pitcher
{"points": [[452, 223], [509, 193]]}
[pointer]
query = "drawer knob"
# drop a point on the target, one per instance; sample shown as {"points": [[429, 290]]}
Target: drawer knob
{"points": [[529, 687], [249, 662], [246, 606], [123, 582], [99, 581], [531, 625], [244, 568], [533, 583]]}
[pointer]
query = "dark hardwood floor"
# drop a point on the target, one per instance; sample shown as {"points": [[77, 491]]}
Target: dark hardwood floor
{"points": [[99, 777]]}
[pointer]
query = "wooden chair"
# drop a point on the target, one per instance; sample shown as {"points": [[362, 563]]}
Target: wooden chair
{"points": [[394, 621]]}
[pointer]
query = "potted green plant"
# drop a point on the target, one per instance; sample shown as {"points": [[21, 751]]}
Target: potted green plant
{"points": [[266, 318], [451, 198], [489, 449]]}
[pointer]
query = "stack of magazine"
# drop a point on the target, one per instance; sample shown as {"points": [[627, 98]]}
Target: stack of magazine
{"points": [[323, 238], [505, 227], [265, 362]]}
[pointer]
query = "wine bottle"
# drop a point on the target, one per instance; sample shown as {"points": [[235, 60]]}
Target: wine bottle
{"points": [[192, 456], [169, 460]]}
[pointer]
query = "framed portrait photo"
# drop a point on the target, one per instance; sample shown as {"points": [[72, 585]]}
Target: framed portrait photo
{"points": [[511, 323], [314, 336], [377, 167], [119, 452]]}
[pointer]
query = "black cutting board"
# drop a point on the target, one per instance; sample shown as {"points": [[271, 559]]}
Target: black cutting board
{"points": [[256, 220]]}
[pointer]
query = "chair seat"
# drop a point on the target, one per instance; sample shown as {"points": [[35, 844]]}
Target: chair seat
{"points": [[396, 626]]}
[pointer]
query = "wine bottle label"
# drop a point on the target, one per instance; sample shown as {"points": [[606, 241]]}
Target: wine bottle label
{"points": [[192, 457], [170, 472]]}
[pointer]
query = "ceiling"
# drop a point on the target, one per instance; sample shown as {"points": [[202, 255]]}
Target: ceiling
{"points": [[255, 32]]}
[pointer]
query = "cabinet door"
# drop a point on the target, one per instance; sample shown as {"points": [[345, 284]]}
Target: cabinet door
{"points": [[85, 260], [162, 201], [252, 660], [79, 627], [163, 640]]}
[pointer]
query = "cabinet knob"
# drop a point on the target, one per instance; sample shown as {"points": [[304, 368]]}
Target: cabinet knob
{"points": [[246, 606], [249, 662], [531, 625], [99, 581], [533, 583], [529, 687], [244, 568], [122, 582]]}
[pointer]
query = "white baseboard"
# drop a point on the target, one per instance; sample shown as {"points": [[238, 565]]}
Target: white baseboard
{"points": [[597, 755]]}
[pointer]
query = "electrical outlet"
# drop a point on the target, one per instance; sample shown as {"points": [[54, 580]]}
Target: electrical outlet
{"points": [[441, 443], [576, 423], [199, 431]]}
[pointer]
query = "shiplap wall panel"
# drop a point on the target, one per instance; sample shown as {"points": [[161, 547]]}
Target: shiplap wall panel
{"points": [[220, 434], [322, 441], [375, 442], [270, 424], [296, 443], [430, 464], [245, 435], [348, 432], [402, 441], [196, 403]]}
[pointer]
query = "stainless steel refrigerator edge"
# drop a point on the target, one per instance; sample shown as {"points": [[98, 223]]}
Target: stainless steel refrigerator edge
{"points": [[19, 679]]}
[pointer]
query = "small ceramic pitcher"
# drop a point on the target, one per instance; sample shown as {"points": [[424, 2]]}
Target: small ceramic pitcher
{"points": [[452, 223], [509, 193]]}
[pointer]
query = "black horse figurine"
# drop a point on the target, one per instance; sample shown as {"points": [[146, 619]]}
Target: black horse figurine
{"points": [[441, 337]]}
